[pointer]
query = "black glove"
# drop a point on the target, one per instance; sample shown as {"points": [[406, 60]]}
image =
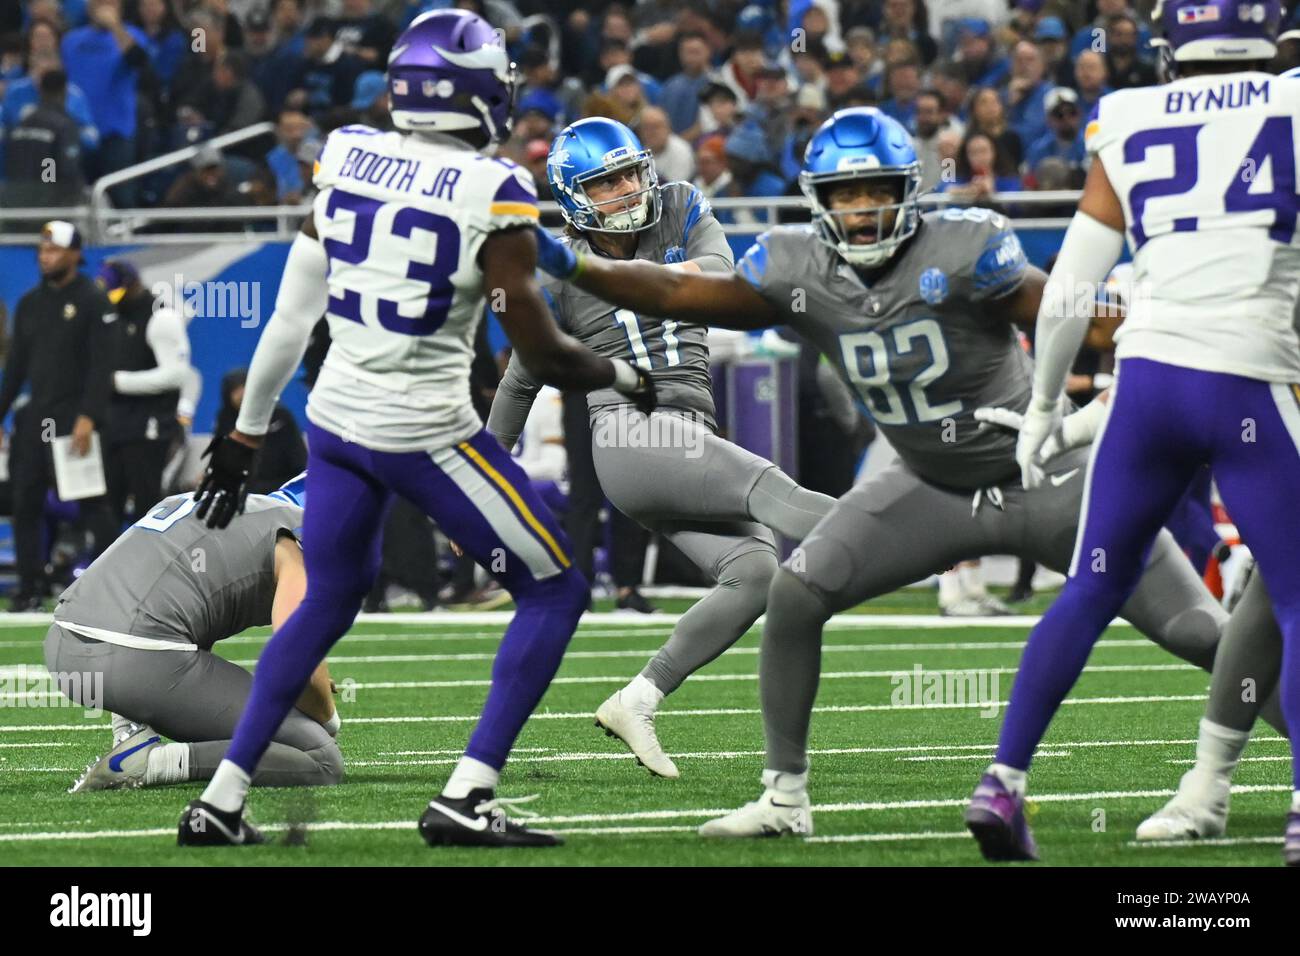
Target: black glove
{"points": [[643, 396], [225, 482]]}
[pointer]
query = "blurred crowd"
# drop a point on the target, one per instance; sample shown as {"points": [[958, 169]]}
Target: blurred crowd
{"points": [[726, 93]]}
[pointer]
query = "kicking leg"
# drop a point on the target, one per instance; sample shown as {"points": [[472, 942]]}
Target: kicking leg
{"points": [[741, 558]]}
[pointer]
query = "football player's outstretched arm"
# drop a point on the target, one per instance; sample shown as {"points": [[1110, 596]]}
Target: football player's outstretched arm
{"points": [[509, 260], [725, 300]]}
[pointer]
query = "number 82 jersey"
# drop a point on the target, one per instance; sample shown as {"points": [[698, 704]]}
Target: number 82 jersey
{"points": [[1205, 169], [402, 221]]}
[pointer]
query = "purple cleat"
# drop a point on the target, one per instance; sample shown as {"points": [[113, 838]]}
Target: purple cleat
{"points": [[1291, 842], [996, 817]]}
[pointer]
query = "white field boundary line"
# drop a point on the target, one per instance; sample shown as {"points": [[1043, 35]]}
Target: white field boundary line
{"points": [[602, 818], [631, 622], [700, 755], [699, 712], [1209, 841]]}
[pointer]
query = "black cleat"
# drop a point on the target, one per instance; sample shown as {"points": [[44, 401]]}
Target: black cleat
{"points": [[635, 601], [478, 820], [202, 824]]}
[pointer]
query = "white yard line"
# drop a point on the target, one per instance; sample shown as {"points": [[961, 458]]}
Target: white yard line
{"points": [[342, 825]]}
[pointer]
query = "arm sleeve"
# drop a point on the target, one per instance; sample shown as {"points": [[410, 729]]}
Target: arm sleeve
{"points": [[98, 389], [1087, 255], [513, 401], [300, 302], [706, 243], [170, 343], [191, 391]]}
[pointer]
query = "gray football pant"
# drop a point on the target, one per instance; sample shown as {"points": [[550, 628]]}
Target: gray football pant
{"points": [[1248, 664], [716, 502], [894, 529], [195, 697]]}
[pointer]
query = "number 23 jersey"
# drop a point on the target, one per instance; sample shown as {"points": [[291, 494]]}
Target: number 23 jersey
{"points": [[402, 220], [1205, 169]]}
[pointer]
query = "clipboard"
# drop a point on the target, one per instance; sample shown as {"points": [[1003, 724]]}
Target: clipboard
{"points": [[78, 477]]}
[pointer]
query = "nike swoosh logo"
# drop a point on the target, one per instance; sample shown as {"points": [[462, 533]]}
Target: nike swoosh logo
{"points": [[115, 763], [236, 838], [476, 823], [1058, 480]]}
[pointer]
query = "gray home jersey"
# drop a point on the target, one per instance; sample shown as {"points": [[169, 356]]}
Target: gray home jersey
{"points": [[675, 353], [920, 345], [171, 577]]}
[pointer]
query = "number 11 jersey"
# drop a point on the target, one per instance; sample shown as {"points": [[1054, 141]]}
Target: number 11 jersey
{"points": [[402, 220], [1205, 168]]}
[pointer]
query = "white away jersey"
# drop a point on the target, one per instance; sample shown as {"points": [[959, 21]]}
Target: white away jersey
{"points": [[1205, 168], [402, 220]]}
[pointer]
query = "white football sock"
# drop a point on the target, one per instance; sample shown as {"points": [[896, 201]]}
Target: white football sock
{"points": [[785, 783], [470, 774], [121, 728], [1218, 748], [971, 577], [1014, 780], [949, 588], [1295, 802], [641, 692], [169, 763], [228, 787]]}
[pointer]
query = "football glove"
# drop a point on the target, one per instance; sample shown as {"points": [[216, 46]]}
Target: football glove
{"points": [[635, 383], [1041, 420], [553, 256], [225, 482]]}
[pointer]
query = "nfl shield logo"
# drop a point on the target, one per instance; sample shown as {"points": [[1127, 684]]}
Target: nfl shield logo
{"points": [[1197, 15], [428, 87], [933, 286]]}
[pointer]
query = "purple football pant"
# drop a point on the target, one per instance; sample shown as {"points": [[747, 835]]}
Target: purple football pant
{"points": [[1165, 422], [1192, 522], [480, 499]]}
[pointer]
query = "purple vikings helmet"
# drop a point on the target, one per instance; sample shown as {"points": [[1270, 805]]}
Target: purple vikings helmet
{"points": [[1217, 30], [449, 71]]}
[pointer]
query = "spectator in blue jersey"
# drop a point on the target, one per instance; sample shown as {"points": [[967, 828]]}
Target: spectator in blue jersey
{"points": [[105, 59], [1027, 92], [616, 61], [978, 55], [560, 97], [751, 164], [290, 27], [1091, 36], [860, 44], [842, 77], [292, 129], [903, 84], [680, 97], [1064, 139], [164, 41], [981, 172]]}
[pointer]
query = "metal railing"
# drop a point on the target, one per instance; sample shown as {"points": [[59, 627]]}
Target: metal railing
{"points": [[103, 224]]}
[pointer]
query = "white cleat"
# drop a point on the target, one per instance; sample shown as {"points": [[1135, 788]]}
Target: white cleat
{"points": [[630, 716], [123, 767], [772, 814], [1198, 810], [987, 606]]}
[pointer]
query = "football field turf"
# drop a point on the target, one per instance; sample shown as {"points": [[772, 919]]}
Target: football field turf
{"points": [[890, 773]]}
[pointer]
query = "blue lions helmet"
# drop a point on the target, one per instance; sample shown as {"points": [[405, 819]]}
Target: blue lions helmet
{"points": [[293, 491], [586, 151], [1217, 30], [862, 143]]}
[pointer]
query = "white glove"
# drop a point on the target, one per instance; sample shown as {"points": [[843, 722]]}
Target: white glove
{"points": [[1014, 421], [1041, 420]]}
